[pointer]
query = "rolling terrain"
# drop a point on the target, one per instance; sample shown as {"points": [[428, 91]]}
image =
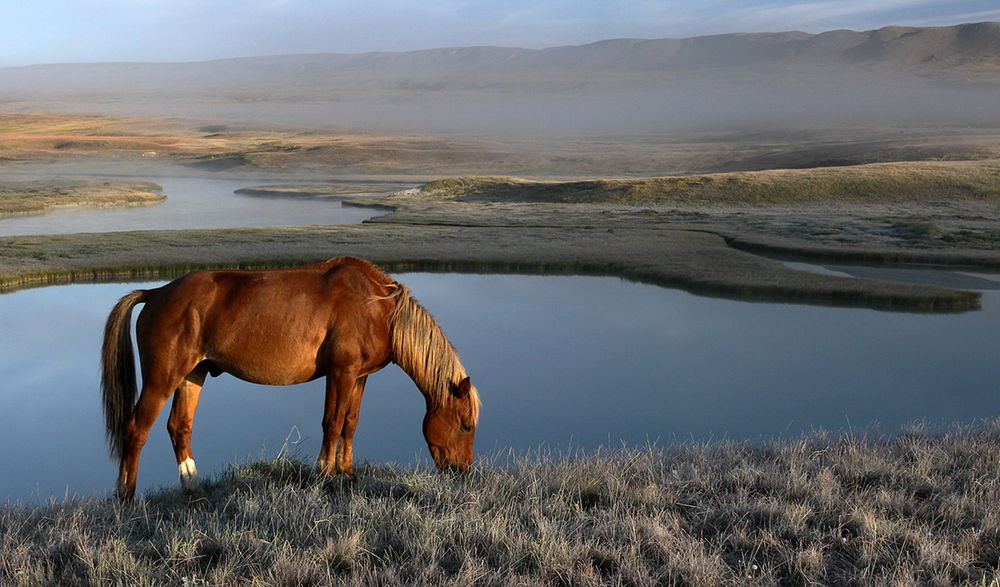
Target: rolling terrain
{"points": [[666, 161], [103, 144], [894, 75]]}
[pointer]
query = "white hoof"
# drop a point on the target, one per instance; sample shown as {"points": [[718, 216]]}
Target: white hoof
{"points": [[189, 476]]}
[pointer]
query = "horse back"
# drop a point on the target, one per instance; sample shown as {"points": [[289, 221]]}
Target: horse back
{"points": [[274, 326]]}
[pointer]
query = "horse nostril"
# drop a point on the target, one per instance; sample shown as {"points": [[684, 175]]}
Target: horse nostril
{"points": [[438, 455]]}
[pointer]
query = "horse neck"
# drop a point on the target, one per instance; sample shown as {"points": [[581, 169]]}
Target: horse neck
{"points": [[422, 350]]}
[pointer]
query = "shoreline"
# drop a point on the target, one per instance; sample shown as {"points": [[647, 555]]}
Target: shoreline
{"points": [[821, 509], [915, 507], [699, 262], [20, 199], [721, 251]]}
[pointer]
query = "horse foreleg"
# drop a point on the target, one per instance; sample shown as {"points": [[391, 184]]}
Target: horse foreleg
{"points": [[180, 425], [339, 389], [345, 450]]}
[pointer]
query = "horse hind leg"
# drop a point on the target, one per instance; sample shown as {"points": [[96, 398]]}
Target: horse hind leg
{"points": [[158, 384], [147, 408], [180, 425]]}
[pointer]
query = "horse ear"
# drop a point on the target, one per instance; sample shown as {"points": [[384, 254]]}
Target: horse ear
{"points": [[463, 388]]}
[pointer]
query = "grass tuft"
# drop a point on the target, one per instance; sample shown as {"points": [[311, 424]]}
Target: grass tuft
{"points": [[879, 183], [917, 508], [28, 198]]}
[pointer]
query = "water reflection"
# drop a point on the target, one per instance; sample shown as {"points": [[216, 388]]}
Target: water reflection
{"points": [[559, 361], [193, 202], [943, 276]]}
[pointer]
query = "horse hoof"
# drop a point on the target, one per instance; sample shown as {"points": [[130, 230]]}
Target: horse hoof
{"points": [[195, 493]]}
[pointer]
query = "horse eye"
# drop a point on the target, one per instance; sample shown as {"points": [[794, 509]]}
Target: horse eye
{"points": [[466, 427]]}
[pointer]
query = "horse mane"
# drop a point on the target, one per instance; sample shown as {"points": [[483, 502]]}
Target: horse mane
{"points": [[421, 349], [417, 343], [369, 269]]}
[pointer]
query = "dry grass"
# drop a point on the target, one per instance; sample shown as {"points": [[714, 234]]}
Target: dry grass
{"points": [[46, 137], [906, 510], [882, 183], [650, 252], [38, 137], [23, 198]]}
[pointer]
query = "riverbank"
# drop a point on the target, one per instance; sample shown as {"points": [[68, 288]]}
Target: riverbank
{"points": [[24, 198], [708, 250], [649, 252], [919, 212], [877, 184], [915, 508], [703, 233]]}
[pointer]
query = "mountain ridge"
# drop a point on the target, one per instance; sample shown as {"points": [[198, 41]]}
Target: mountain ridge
{"points": [[892, 75], [915, 45]]}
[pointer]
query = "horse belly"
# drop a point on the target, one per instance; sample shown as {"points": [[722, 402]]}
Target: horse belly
{"points": [[269, 362]]}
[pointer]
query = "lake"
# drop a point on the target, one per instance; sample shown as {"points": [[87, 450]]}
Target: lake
{"points": [[561, 362], [196, 202]]}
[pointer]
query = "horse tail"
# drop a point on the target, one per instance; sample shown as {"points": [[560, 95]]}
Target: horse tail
{"points": [[118, 385]]}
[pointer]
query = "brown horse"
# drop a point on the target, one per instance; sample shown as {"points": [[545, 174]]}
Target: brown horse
{"points": [[342, 319]]}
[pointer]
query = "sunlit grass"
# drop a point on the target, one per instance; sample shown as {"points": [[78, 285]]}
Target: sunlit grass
{"points": [[24, 198], [27, 137], [47, 137], [880, 183], [916, 508]]}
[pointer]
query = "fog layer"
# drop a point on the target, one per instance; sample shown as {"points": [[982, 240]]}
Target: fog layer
{"points": [[896, 75]]}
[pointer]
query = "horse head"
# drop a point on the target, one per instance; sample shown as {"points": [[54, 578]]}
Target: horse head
{"points": [[450, 427]]}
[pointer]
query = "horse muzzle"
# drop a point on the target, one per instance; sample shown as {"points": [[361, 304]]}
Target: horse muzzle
{"points": [[445, 463]]}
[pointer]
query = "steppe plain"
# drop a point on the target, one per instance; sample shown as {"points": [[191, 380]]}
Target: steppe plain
{"points": [[698, 228], [705, 206]]}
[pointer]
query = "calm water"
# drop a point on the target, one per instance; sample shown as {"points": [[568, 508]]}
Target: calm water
{"points": [[192, 202], [563, 362]]}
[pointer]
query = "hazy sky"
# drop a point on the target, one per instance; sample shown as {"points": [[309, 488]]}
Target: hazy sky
{"points": [[48, 31]]}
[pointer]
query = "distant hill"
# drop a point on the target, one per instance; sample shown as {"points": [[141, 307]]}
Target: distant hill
{"points": [[721, 76], [967, 47]]}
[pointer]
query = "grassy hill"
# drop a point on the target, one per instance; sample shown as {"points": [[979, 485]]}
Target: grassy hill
{"points": [[916, 508], [874, 184]]}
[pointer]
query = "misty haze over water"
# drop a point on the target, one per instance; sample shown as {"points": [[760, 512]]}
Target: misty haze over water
{"points": [[896, 75]]}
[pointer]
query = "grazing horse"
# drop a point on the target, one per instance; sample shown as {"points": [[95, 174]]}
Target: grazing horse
{"points": [[342, 319]]}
